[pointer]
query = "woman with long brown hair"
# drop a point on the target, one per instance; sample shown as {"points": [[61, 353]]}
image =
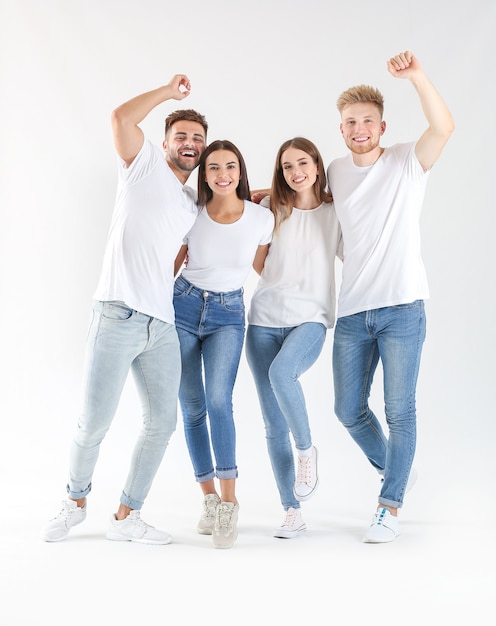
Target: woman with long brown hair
{"points": [[290, 312]]}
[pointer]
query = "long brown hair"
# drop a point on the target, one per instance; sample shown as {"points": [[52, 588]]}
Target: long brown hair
{"points": [[281, 195], [204, 192]]}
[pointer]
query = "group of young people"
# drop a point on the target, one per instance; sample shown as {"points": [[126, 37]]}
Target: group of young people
{"points": [[169, 305]]}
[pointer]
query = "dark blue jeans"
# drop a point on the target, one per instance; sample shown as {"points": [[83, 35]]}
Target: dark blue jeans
{"points": [[211, 329]]}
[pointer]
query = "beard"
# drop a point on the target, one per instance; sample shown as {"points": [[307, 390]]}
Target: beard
{"points": [[362, 148], [184, 165]]}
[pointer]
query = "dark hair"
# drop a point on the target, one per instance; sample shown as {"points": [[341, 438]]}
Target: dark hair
{"points": [[204, 192], [190, 115], [281, 194]]}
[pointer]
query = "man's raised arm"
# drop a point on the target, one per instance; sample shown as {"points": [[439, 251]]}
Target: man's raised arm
{"points": [[441, 124], [128, 136]]}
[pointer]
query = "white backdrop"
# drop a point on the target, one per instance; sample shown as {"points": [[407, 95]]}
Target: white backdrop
{"points": [[261, 72]]}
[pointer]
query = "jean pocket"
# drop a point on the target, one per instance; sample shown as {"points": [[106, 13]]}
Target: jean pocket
{"points": [[409, 305], [181, 287], [116, 311], [234, 306], [179, 291]]}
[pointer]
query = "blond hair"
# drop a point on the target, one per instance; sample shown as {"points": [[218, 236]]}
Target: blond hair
{"points": [[361, 93]]}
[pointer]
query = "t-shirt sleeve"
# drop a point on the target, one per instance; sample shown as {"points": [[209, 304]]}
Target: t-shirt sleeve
{"points": [[262, 220], [406, 152], [265, 201], [143, 163], [268, 229]]}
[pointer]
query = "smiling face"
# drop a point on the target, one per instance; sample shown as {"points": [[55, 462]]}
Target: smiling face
{"points": [[299, 169], [362, 129], [222, 172], [184, 144]]}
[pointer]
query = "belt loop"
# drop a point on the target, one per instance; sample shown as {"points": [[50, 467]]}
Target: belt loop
{"points": [[190, 286]]}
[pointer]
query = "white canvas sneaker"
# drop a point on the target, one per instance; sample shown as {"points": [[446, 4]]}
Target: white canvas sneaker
{"points": [[307, 478], [292, 525]]}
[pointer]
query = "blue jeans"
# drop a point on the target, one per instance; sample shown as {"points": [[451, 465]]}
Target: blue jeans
{"points": [[211, 326], [277, 357], [395, 335], [120, 340]]}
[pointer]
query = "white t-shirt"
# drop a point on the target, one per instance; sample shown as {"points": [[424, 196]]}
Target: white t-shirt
{"points": [[297, 284], [379, 208], [153, 212], [220, 255]]}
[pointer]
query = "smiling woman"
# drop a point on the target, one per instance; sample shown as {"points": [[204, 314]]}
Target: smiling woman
{"points": [[230, 235], [290, 312]]}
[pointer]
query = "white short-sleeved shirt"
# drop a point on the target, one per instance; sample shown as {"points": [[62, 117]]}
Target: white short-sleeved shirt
{"points": [[379, 209], [220, 255], [297, 284], [153, 211]]}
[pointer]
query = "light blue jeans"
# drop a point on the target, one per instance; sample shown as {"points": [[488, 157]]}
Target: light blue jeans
{"points": [[394, 335], [120, 340], [211, 327], [277, 358]]}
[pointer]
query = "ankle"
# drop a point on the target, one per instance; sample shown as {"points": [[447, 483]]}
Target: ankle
{"points": [[122, 512], [391, 509]]}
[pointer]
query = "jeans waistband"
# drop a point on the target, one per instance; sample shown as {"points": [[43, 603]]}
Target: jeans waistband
{"points": [[204, 294]]}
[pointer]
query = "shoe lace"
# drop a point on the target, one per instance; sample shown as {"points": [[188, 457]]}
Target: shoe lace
{"points": [[135, 516], [289, 520], [209, 509], [224, 514], [379, 517], [66, 512], [304, 470]]}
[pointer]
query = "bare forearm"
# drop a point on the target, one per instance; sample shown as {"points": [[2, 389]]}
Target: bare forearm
{"points": [[135, 110], [439, 119], [436, 112], [128, 136]]}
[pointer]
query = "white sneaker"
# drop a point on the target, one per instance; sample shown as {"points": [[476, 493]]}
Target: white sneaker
{"points": [[207, 519], [58, 528], [385, 527], [292, 525], [307, 478], [133, 528], [225, 531]]}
